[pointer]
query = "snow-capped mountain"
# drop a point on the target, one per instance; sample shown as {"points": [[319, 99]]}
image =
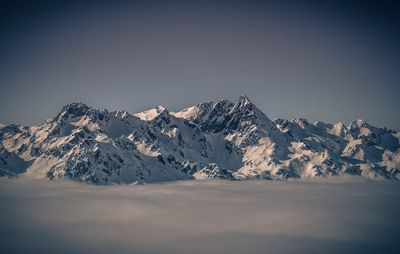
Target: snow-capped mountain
{"points": [[218, 139]]}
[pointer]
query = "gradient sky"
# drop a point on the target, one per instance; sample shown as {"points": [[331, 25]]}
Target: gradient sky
{"points": [[331, 62]]}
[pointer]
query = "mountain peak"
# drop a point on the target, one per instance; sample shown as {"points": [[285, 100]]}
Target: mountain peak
{"points": [[302, 122], [160, 109], [244, 100], [153, 113], [358, 123], [74, 109], [75, 105]]}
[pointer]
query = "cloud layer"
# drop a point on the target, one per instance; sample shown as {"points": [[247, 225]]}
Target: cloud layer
{"points": [[330, 216]]}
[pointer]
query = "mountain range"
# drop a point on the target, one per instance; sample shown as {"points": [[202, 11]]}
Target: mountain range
{"points": [[214, 139]]}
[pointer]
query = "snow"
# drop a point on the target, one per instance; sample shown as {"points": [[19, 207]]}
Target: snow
{"points": [[187, 113], [150, 114], [214, 139]]}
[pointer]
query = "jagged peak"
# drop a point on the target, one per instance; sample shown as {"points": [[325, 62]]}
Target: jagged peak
{"points": [[193, 111], [74, 109], [207, 104], [161, 109], [244, 97], [302, 122], [299, 120], [339, 126], [358, 123], [222, 104], [204, 108], [244, 101], [243, 104], [122, 113], [153, 113], [339, 129], [76, 104]]}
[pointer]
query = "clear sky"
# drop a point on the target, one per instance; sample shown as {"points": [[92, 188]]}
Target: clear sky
{"points": [[331, 62]]}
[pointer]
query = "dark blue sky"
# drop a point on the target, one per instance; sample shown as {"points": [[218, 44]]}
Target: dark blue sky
{"points": [[332, 61]]}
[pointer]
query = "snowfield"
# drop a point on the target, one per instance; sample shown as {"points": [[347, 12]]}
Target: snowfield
{"points": [[319, 215]]}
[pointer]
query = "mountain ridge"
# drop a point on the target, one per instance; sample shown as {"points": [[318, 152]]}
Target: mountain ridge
{"points": [[213, 139]]}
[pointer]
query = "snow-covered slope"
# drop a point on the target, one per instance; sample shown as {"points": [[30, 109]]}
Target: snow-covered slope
{"points": [[210, 140]]}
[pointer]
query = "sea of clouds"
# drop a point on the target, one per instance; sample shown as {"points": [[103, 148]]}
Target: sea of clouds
{"points": [[337, 215]]}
